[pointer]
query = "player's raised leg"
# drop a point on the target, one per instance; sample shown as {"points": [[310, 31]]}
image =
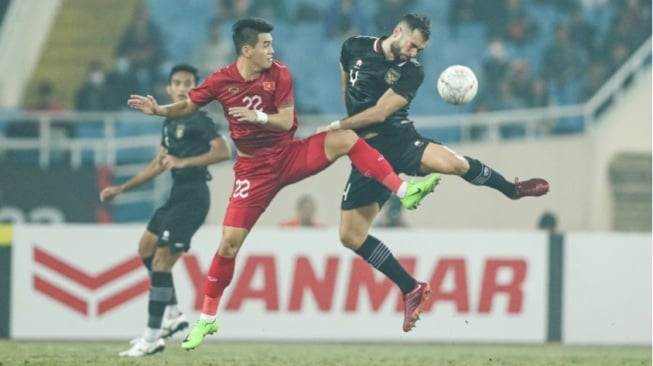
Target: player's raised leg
{"points": [[439, 158], [371, 163]]}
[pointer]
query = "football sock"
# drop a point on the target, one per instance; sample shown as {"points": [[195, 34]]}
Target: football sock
{"points": [[219, 277], [160, 293], [372, 164], [380, 257], [482, 175]]}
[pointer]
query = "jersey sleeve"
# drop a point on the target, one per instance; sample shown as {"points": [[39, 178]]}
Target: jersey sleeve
{"points": [[345, 53], [205, 92], [284, 96], [408, 83]]}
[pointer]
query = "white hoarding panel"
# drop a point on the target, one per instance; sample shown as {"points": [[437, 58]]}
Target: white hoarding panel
{"points": [[88, 282], [607, 288]]}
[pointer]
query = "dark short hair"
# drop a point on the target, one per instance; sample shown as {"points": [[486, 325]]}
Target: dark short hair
{"points": [[183, 67], [245, 31], [418, 21]]}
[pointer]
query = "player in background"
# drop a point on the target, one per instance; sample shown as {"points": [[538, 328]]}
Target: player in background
{"points": [[256, 93], [188, 145], [380, 77]]}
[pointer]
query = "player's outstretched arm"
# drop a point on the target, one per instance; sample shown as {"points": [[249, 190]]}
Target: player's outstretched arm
{"points": [[148, 105], [154, 168], [220, 151], [389, 103]]}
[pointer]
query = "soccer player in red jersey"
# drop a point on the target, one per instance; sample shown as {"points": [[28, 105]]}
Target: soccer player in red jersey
{"points": [[256, 93]]}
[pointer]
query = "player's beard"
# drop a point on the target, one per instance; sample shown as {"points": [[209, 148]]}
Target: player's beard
{"points": [[396, 52]]}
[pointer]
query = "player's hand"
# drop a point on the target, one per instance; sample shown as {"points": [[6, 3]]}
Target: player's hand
{"points": [[110, 193], [242, 114], [145, 104], [170, 162], [321, 129]]}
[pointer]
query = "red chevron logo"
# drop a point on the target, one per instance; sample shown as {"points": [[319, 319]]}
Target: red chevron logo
{"points": [[91, 282]]}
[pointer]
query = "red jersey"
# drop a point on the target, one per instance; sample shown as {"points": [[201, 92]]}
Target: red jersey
{"points": [[269, 92]]}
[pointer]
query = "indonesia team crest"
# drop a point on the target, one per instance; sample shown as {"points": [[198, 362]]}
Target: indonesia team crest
{"points": [[391, 76], [179, 132]]}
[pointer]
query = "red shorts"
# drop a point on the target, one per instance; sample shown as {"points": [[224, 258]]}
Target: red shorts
{"points": [[259, 178]]}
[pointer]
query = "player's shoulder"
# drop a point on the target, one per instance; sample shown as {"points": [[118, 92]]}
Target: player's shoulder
{"points": [[278, 69], [360, 42]]}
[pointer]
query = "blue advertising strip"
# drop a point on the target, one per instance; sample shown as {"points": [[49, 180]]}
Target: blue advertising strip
{"points": [[556, 277], [6, 237]]}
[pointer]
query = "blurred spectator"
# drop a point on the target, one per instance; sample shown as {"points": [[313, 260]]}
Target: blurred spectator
{"points": [[496, 66], [345, 18], [583, 33], [230, 10], [45, 98], [121, 82], [618, 54], [493, 14], [538, 95], [596, 76], [549, 222], [60, 131], [386, 15], [632, 24], [270, 9], [519, 27], [92, 96], [141, 44], [159, 79], [392, 214], [520, 79], [306, 208], [463, 11], [215, 52], [563, 63], [506, 99]]}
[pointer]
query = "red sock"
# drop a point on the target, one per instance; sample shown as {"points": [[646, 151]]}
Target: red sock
{"points": [[220, 274], [372, 164]]}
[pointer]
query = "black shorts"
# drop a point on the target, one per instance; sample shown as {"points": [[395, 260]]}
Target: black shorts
{"points": [[403, 151], [178, 219]]}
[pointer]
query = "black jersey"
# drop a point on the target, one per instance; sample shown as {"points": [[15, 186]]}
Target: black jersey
{"points": [[191, 136], [370, 75]]}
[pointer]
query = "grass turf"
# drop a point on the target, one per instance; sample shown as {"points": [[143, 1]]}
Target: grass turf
{"points": [[324, 354]]}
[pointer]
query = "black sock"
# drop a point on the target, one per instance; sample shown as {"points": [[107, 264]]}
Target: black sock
{"points": [[161, 292], [380, 257], [482, 175], [147, 262]]}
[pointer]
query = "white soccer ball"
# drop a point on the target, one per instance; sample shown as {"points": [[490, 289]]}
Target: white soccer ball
{"points": [[457, 85]]}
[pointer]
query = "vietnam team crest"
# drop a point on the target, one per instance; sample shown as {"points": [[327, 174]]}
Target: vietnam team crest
{"points": [[269, 85], [391, 76], [179, 132]]}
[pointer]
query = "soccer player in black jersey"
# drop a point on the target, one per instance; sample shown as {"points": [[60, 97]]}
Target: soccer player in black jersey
{"points": [[188, 145], [380, 77]]}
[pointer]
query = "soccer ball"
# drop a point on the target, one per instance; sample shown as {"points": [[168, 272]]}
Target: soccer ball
{"points": [[457, 85]]}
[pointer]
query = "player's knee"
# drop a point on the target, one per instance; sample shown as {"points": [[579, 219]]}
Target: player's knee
{"points": [[460, 165], [351, 239], [339, 142], [229, 247], [162, 262]]}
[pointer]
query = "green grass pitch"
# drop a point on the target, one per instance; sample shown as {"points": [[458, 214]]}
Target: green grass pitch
{"points": [[323, 354]]}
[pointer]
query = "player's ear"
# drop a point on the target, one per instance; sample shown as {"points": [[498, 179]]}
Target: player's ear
{"points": [[169, 89]]}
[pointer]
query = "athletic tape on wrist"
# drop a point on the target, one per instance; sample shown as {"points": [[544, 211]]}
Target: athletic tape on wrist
{"points": [[261, 117], [335, 125]]}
